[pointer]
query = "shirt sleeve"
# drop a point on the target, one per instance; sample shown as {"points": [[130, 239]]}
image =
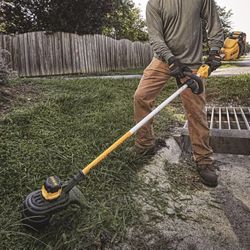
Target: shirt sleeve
{"points": [[214, 27], [155, 31]]}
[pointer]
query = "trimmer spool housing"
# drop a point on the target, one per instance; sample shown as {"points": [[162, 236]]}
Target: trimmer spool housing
{"points": [[40, 205]]}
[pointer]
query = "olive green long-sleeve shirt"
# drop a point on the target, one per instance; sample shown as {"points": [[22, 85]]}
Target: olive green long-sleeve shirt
{"points": [[175, 29]]}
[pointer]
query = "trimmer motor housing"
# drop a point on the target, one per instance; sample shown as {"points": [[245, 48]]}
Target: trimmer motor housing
{"points": [[39, 206]]}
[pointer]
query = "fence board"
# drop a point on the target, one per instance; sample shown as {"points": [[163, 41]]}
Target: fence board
{"points": [[43, 54]]}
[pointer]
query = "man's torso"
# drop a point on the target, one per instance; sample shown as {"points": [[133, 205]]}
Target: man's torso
{"points": [[182, 28]]}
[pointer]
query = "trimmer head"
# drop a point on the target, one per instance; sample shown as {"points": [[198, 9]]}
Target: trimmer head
{"points": [[38, 208]]}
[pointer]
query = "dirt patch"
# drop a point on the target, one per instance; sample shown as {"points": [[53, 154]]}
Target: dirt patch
{"points": [[179, 213], [11, 95]]}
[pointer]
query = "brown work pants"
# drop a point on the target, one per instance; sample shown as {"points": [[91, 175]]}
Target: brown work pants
{"points": [[154, 78]]}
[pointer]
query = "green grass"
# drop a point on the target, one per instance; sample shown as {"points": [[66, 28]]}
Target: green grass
{"points": [[232, 90], [71, 124], [64, 129]]}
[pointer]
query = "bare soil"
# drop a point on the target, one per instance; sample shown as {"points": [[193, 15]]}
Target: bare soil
{"points": [[11, 95]]}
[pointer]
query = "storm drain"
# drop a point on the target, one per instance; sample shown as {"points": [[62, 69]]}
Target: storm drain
{"points": [[229, 130]]}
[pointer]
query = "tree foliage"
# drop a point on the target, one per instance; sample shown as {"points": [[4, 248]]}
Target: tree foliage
{"points": [[116, 18], [77, 16], [126, 22], [225, 16]]}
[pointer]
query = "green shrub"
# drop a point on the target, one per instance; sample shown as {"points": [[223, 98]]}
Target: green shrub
{"points": [[4, 66]]}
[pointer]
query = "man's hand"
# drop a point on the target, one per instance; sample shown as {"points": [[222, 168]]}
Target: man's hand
{"points": [[177, 68], [214, 60]]}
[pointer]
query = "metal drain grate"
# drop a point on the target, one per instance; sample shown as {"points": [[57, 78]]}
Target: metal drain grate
{"points": [[229, 130], [228, 118]]}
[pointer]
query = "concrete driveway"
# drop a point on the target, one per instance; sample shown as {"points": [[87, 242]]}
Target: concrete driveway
{"points": [[238, 68]]}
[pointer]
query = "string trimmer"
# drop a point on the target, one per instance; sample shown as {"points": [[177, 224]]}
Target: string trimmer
{"points": [[39, 206]]}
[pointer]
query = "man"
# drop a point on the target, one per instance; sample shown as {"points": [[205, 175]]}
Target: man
{"points": [[175, 31]]}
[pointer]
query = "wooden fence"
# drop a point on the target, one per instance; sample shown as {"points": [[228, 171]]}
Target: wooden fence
{"points": [[45, 54]]}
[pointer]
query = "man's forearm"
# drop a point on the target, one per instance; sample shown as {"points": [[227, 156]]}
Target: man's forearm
{"points": [[160, 49]]}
